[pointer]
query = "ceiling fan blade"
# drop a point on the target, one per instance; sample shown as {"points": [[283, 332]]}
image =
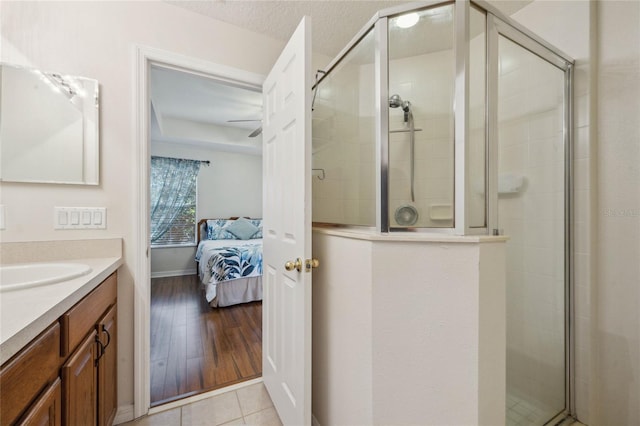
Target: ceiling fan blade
{"points": [[256, 132]]}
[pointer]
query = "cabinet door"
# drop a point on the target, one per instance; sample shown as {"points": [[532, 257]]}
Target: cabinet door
{"points": [[107, 368], [80, 383], [24, 377], [47, 411]]}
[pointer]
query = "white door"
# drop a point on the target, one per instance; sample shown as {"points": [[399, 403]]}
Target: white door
{"points": [[286, 318]]}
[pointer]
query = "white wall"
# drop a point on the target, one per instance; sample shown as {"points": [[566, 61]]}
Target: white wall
{"points": [[408, 332], [604, 39], [342, 380], [617, 296], [96, 40], [230, 186]]}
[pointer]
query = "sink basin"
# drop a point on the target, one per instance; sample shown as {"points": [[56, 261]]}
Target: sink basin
{"points": [[17, 277]]}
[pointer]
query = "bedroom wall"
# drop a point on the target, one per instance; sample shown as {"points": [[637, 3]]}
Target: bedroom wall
{"points": [[97, 39], [230, 186]]}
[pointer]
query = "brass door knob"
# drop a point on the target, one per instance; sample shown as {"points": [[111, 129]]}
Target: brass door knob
{"points": [[291, 265], [309, 264]]}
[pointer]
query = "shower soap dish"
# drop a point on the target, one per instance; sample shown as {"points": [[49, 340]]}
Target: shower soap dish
{"points": [[509, 183], [440, 212]]}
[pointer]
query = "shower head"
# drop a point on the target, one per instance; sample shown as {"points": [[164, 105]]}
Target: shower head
{"points": [[396, 101]]}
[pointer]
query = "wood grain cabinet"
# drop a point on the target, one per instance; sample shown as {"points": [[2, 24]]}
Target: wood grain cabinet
{"points": [[80, 379], [108, 368], [67, 375], [47, 411]]}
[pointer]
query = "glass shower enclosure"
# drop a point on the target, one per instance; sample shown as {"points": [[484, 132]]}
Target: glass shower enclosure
{"points": [[449, 118]]}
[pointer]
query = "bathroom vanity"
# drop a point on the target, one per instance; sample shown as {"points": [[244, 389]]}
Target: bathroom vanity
{"points": [[59, 348]]}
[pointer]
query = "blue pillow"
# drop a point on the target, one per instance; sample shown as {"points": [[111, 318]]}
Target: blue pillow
{"points": [[242, 229], [258, 224], [216, 229]]}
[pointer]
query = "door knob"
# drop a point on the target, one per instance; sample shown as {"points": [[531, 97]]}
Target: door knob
{"points": [[291, 265], [309, 264]]}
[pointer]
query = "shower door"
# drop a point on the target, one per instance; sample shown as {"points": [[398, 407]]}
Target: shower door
{"points": [[531, 148]]}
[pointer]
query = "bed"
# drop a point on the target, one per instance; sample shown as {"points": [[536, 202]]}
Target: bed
{"points": [[229, 258]]}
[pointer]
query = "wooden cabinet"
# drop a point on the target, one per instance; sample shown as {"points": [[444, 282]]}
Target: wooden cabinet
{"points": [[89, 376], [80, 379], [27, 374], [48, 408], [68, 374], [108, 368]]}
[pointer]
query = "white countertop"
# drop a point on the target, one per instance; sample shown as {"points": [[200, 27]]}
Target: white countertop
{"points": [[26, 313]]}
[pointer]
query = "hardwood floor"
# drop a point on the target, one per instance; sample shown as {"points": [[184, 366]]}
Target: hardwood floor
{"points": [[196, 348]]}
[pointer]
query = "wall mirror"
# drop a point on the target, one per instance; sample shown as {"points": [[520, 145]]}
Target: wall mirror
{"points": [[48, 127]]}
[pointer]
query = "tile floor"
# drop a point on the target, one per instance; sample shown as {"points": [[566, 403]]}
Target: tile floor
{"points": [[523, 413], [250, 405]]}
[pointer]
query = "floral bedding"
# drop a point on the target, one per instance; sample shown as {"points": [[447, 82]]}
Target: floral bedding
{"points": [[223, 260]]}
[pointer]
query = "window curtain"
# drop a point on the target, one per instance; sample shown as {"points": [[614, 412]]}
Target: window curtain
{"points": [[172, 182]]}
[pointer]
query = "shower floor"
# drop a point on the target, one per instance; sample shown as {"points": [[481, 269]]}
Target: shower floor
{"points": [[524, 413]]}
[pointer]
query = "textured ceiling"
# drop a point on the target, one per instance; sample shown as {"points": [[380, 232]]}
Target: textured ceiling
{"points": [[195, 99], [334, 22]]}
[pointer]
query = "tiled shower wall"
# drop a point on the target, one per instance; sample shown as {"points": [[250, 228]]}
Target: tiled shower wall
{"points": [[344, 146], [531, 146], [344, 141], [427, 82], [571, 26]]}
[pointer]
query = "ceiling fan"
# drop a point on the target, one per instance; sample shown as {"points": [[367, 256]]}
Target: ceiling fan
{"points": [[253, 134]]}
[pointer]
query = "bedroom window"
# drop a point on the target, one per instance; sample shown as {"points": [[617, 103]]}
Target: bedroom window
{"points": [[173, 201]]}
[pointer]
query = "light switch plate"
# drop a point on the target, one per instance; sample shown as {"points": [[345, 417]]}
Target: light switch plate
{"points": [[79, 218]]}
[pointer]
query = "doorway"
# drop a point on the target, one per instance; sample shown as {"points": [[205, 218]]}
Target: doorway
{"points": [[287, 125], [149, 58]]}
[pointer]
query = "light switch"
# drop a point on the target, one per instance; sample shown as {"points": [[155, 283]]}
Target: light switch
{"points": [[79, 217], [63, 218], [97, 218], [86, 217]]}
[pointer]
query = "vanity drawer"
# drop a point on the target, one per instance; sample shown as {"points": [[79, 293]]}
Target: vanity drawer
{"points": [[24, 377], [80, 319]]}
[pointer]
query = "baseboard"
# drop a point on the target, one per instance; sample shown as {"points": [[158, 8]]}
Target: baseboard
{"points": [[314, 421], [124, 414], [163, 274]]}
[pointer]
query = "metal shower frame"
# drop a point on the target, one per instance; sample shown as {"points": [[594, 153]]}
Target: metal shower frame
{"points": [[496, 24]]}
